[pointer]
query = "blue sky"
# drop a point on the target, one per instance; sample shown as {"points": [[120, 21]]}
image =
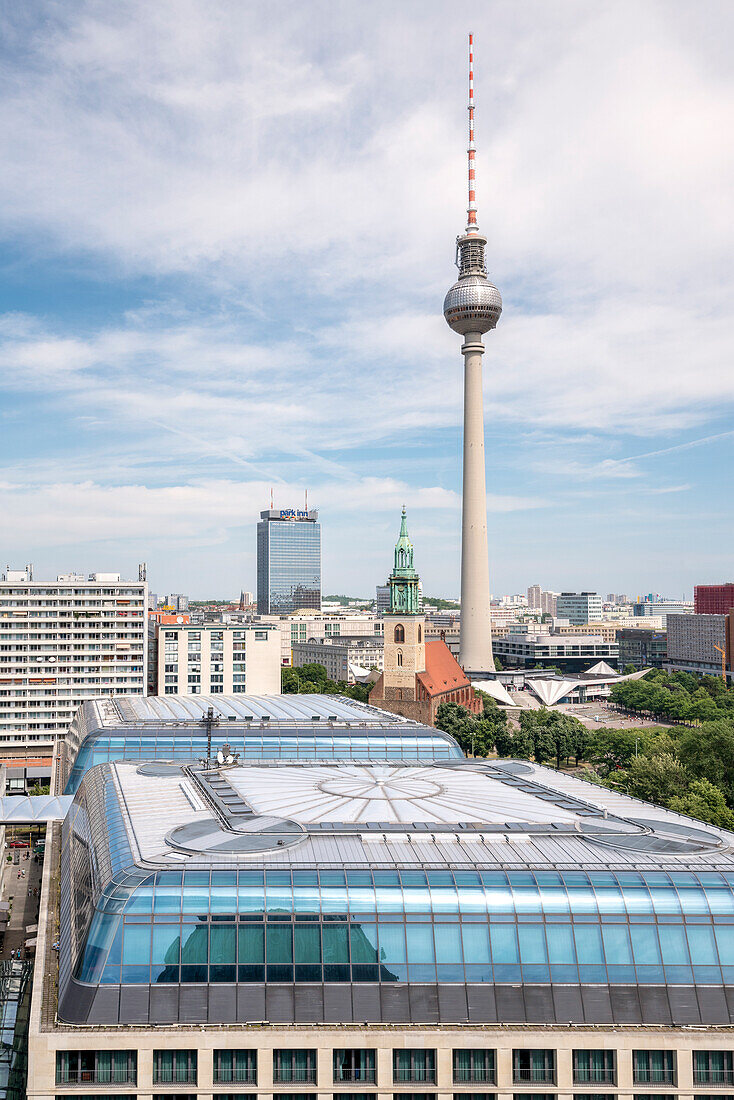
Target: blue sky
{"points": [[226, 230]]}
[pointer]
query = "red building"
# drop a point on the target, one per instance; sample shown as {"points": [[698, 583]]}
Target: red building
{"points": [[713, 599]]}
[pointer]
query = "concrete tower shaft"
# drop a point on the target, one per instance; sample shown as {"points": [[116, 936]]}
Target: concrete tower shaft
{"points": [[472, 307]]}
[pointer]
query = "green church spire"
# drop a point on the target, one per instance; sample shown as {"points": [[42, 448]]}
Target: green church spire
{"points": [[404, 597]]}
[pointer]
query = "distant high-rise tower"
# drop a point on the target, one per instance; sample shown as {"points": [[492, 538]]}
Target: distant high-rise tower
{"points": [[471, 308]]}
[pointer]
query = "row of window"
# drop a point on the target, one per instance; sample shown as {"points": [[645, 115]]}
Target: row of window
{"points": [[410, 1066], [396, 1096]]}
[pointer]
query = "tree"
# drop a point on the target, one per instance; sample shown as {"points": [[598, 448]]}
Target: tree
{"points": [[708, 753], [610, 749], [513, 743], [706, 802], [628, 670], [655, 778], [497, 665]]}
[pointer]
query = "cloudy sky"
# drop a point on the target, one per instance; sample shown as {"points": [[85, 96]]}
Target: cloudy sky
{"points": [[226, 230]]}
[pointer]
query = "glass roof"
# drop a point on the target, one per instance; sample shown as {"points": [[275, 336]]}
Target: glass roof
{"points": [[184, 745], [416, 926]]}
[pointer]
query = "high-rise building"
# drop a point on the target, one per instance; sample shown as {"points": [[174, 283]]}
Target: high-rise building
{"points": [[534, 595], [382, 598], [695, 644], [65, 641], [579, 607], [657, 607], [288, 561], [472, 307], [642, 648], [713, 599]]}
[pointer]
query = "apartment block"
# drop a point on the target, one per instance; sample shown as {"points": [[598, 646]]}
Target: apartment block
{"points": [[62, 643], [215, 659]]}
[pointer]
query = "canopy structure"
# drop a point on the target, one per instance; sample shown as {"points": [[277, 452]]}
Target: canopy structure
{"points": [[32, 809], [601, 668], [552, 690], [497, 690]]}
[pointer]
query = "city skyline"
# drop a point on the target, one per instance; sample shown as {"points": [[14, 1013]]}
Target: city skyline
{"points": [[164, 365]]}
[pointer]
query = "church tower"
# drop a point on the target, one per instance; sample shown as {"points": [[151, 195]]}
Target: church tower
{"points": [[405, 646]]}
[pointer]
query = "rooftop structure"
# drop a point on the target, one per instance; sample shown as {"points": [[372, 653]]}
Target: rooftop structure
{"points": [[507, 884], [184, 728], [472, 307]]}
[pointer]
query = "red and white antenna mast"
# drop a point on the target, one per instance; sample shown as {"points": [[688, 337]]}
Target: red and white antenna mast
{"points": [[471, 225]]}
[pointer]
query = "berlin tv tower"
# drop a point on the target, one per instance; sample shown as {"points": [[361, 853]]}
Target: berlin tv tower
{"points": [[473, 307]]}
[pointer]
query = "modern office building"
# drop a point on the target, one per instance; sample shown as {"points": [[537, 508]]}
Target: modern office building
{"points": [[288, 561], [713, 599], [571, 653], [579, 607], [344, 657], [642, 648], [695, 644], [382, 598], [306, 929], [214, 659], [61, 643], [654, 608], [181, 729]]}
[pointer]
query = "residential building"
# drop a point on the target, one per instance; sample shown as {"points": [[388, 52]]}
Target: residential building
{"points": [[713, 599], [579, 607], [62, 642], [642, 648], [572, 653], [177, 602], [288, 561], [693, 642], [344, 657], [215, 659], [545, 602]]}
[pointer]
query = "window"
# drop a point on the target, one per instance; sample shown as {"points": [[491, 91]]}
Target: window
{"points": [[354, 1065], [400, 659], [475, 1096], [352, 1096], [713, 1067], [399, 633], [474, 1067], [414, 1096], [409, 1066], [653, 1066], [420, 633], [294, 1067], [595, 1096], [96, 1067], [534, 1066], [174, 1067], [593, 1066], [235, 1066]]}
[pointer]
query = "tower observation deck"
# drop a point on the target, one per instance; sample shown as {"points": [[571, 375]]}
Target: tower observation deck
{"points": [[472, 307]]}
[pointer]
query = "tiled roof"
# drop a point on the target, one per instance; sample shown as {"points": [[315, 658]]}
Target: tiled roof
{"points": [[443, 671]]}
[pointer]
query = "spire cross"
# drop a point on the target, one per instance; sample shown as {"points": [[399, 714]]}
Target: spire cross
{"points": [[472, 208]]}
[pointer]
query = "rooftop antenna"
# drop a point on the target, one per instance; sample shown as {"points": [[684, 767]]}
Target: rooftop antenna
{"points": [[272, 506], [305, 499], [471, 225]]}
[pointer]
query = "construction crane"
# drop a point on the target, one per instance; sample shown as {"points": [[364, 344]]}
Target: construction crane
{"points": [[723, 662]]}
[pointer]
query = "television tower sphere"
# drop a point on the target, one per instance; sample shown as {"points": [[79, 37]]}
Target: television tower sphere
{"points": [[473, 304]]}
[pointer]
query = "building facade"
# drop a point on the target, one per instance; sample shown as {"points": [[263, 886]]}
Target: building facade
{"points": [[288, 561], [571, 653], [341, 656], [693, 642], [713, 599], [451, 931], [61, 643], [642, 648], [579, 607], [215, 659], [661, 609]]}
